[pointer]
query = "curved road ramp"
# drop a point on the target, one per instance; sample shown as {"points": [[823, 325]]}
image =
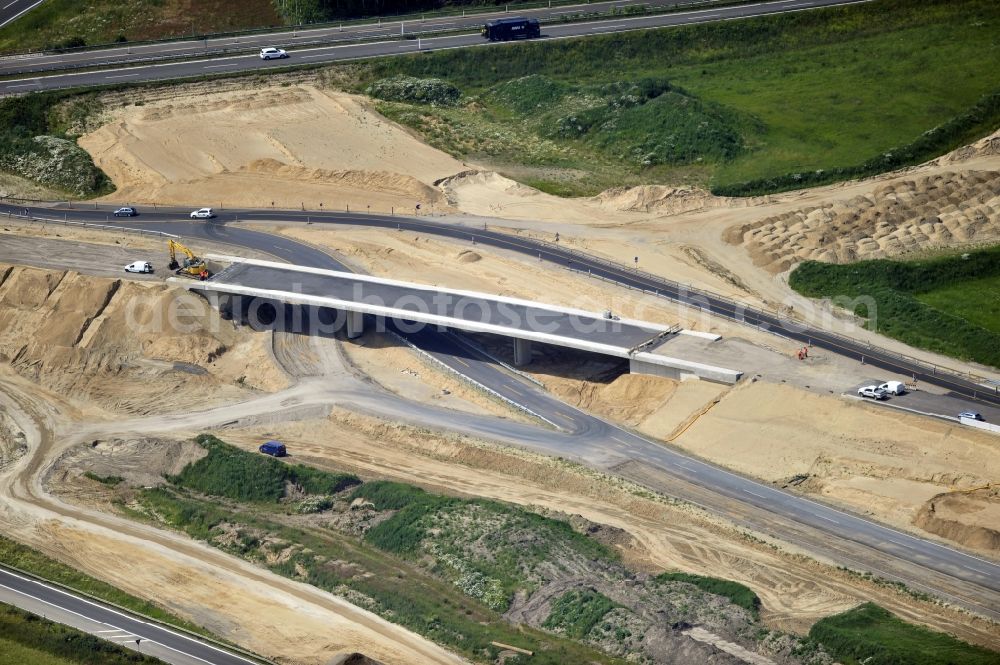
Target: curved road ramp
{"points": [[246, 285]]}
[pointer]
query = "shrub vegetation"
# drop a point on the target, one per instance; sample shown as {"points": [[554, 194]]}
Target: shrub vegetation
{"points": [[577, 612], [237, 474], [734, 591], [871, 635], [35, 144]]}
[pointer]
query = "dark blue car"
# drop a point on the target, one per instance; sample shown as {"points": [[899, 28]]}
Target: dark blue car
{"points": [[274, 449]]}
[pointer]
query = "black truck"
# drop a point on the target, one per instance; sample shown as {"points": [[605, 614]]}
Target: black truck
{"points": [[505, 29]]}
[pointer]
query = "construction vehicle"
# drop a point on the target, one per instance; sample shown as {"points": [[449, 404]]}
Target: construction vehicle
{"points": [[191, 267]]}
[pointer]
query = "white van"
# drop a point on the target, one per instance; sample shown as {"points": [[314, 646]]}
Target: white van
{"points": [[139, 266], [894, 387]]}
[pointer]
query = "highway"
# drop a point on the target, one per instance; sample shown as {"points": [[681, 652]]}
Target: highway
{"points": [[293, 38], [387, 45], [106, 622], [849, 539], [11, 10]]}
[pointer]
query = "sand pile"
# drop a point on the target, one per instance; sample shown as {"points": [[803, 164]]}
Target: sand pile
{"points": [[969, 518], [934, 211], [989, 145], [293, 146], [665, 200], [627, 399], [161, 346]]}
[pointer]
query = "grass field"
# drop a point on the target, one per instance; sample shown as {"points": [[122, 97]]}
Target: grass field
{"points": [[947, 304], [975, 300], [28, 639], [805, 91], [17, 555], [871, 635]]}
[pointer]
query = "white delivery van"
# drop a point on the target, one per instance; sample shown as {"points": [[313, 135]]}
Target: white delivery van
{"points": [[894, 387]]}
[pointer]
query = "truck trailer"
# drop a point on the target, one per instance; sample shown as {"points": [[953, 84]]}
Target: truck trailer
{"points": [[506, 29]]}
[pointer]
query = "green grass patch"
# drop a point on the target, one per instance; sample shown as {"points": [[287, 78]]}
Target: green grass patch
{"points": [[111, 481], [975, 300], [755, 105], [28, 638], [237, 474], [946, 304], [871, 635], [32, 561], [577, 612], [737, 593]]}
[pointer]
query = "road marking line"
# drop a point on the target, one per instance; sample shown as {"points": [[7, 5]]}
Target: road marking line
{"points": [[828, 519], [11, 4], [231, 64], [23, 11], [755, 494], [121, 76], [105, 608], [459, 360], [23, 85], [609, 27]]}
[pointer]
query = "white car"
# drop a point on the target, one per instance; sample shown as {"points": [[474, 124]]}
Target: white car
{"points": [[874, 392], [894, 387], [139, 266], [271, 52], [203, 213]]}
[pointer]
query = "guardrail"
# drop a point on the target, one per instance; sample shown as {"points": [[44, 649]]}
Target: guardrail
{"points": [[100, 227]]}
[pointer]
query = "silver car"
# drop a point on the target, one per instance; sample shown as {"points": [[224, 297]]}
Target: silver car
{"points": [[203, 213], [872, 392], [272, 53]]}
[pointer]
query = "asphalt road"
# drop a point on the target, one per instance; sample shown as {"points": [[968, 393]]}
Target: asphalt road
{"points": [[98, 619], [930, 403], [12, 10], [844, 537], [116, 74]]}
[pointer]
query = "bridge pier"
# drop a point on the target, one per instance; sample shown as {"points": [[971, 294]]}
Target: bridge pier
{"points": [[355, 324], [522, 352]]}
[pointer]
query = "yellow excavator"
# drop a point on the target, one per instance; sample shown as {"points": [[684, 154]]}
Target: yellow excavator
{"points": [[191, 267]]}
